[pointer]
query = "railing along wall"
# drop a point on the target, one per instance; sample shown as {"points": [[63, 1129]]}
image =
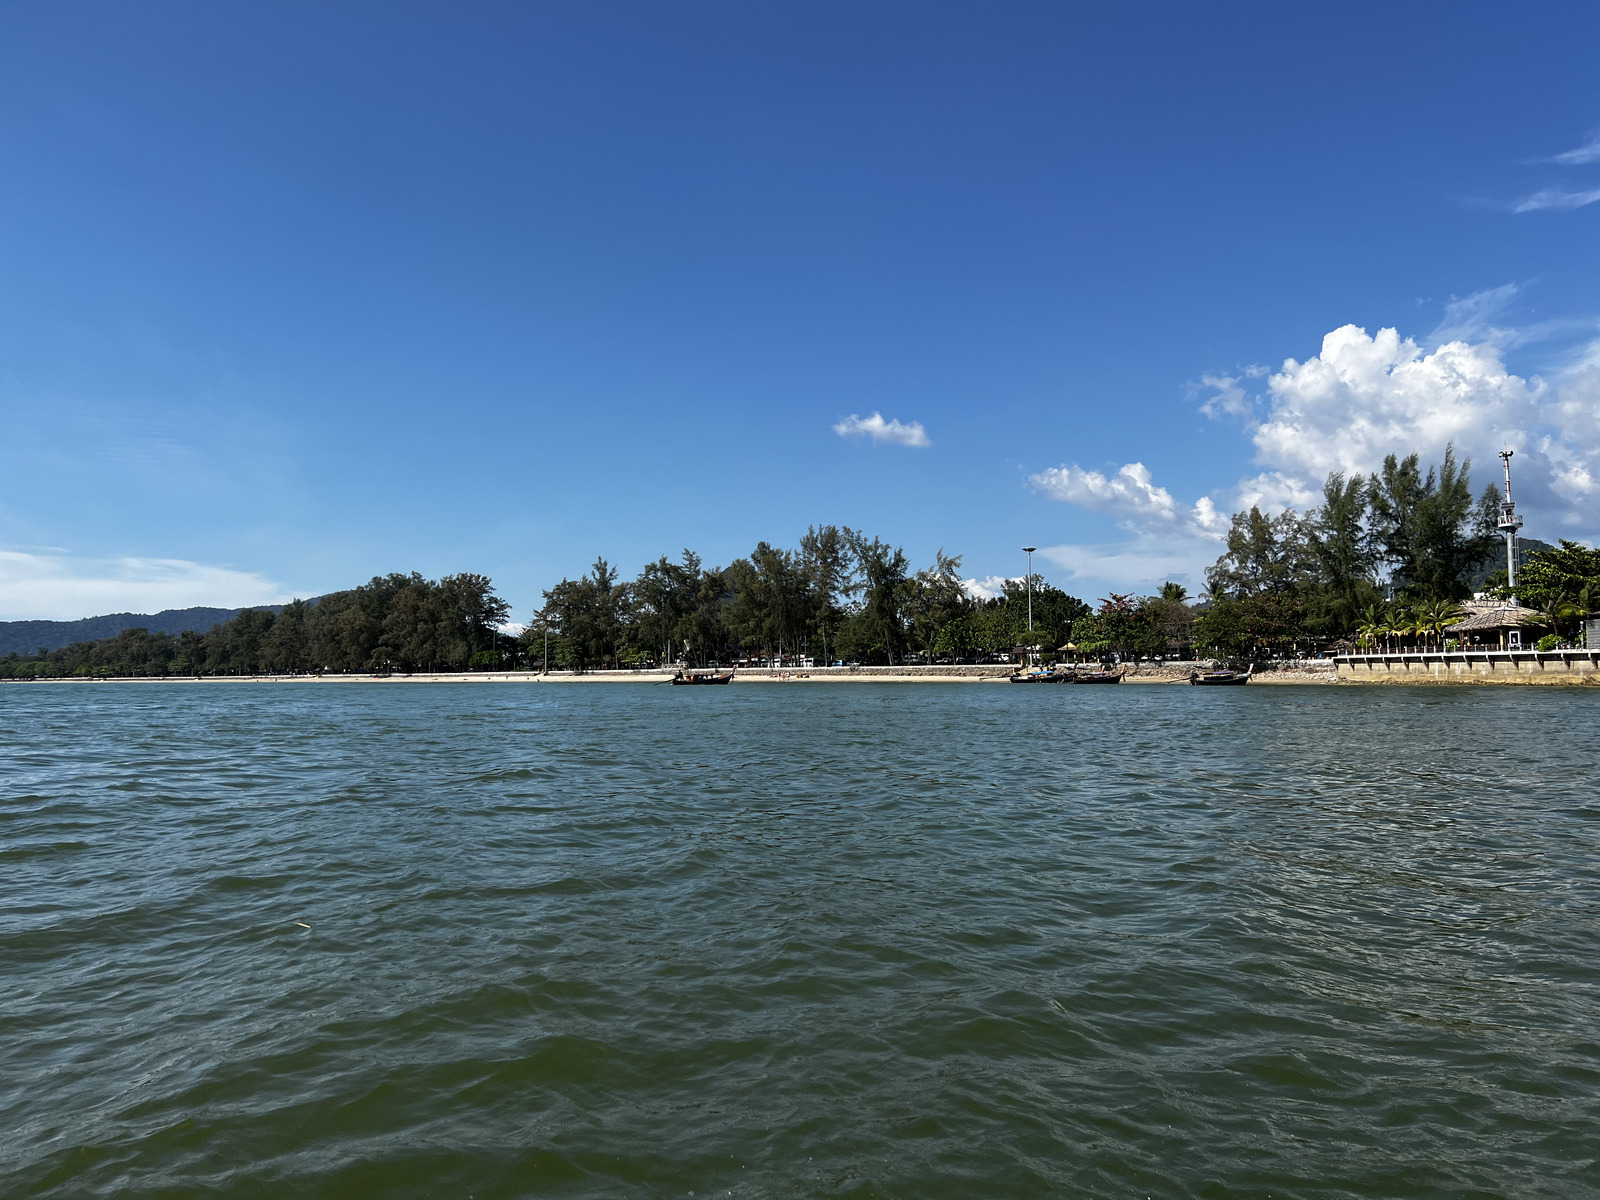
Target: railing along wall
{"points": [[1510, 666], [1466, 656]]}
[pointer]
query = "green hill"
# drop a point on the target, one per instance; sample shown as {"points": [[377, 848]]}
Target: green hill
{"points": [[29, 637]]}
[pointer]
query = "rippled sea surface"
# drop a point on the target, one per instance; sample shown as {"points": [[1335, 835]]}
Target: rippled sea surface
{"points": [[798, 940]]}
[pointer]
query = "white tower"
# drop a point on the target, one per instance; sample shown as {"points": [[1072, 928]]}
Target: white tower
{"points": [[1509, 524]]}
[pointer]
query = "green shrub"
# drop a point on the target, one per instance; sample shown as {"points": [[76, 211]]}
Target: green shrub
{"points": [[1547, 642]]}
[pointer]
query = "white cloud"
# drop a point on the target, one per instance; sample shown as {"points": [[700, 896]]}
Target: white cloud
{"points": [[1129, 492], [990, 587], [61, 587], [1363, 397], [1230, 399], [1272, 492], [1574, 454], [877, 429], [1141, 565], [1556, 198], [1344, 409], [1471, 318], [1131, 496], [1587, 153]]}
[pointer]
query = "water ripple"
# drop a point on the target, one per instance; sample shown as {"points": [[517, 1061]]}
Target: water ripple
{"points": [[798, 941]]}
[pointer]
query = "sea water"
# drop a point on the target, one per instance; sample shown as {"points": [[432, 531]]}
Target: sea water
{"points": [[798, 940]]}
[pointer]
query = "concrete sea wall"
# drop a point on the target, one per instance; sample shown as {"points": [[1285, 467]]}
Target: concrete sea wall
{"points": [[1475, 666]]}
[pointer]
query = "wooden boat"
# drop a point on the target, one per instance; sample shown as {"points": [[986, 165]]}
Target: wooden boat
{"points": [[713, 677], [1221, 678], [1096, 676], [1036, 677]]}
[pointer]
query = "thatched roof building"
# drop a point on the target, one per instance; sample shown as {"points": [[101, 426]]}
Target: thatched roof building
{"points": [[1492, 621], [1478, 618]]}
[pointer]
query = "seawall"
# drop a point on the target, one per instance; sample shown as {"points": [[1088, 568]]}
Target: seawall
{"points": [[1567, 667]]}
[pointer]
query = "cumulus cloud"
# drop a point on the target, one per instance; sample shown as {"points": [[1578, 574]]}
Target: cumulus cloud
{"points": [[63, 587], [1129, 492], [1366, 396], [876, 429], [1556, 198], [1132, 496], [990, 587], [1272, 492], [1573, 455], [1362, 397]]}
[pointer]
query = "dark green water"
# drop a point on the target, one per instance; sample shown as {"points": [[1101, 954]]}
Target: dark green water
{"points": [[811, 940]]}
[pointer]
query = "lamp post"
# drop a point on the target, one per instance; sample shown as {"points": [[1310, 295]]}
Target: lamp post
{"points": [[1029, 551]]}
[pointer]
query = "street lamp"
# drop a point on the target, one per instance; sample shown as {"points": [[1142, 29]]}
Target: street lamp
{"points": [[1029, 550]]}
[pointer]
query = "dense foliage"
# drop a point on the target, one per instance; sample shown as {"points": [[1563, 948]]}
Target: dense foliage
{"points": [[1297, 580], [1563, 582], [1383, 561], [839, 596], [395, 622]]}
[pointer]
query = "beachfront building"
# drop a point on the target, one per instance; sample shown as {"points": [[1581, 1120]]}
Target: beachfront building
{"points": [[1498, 624]]}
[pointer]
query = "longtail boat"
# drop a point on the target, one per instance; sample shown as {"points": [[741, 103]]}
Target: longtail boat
{"points": [[1221, 678], [1096, 676], [1036, 677], [713, 677]]}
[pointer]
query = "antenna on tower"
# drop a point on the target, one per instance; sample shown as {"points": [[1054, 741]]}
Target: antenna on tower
{"points": [[1509, 524]]}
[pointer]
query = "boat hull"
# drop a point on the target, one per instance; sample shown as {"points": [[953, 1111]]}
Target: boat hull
{"points": [[1220, 679], [701, 680]]}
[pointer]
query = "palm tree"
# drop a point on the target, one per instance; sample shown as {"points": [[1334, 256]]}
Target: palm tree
{"points": [[1408, 626], [1369, 631], [1370, 627], [1564, 607], [1434, 615], [1396, 624], [1421, 628]]}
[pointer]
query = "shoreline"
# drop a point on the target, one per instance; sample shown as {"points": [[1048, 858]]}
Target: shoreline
{"points": [[1322, 673], [656, 676]]}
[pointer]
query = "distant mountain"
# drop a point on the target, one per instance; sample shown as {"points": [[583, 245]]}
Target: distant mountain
{"points": [[1496, 561], [29, 637]]}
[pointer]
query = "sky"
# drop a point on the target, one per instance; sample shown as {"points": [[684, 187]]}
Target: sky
{"points": [[296, 294]]}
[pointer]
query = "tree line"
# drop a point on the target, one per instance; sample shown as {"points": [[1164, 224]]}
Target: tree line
{"points": [[394, 623], [1382, 557], [839, 596]]}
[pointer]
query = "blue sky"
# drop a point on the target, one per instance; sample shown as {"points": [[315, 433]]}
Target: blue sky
{"points": [[295, 294]]}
